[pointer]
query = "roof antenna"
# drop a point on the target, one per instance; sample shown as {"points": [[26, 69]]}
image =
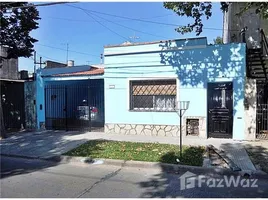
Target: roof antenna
{"points": [[67, 51], [101, 57], [133, 38]]}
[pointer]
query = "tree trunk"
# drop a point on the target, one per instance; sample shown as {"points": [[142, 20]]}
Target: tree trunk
{"points": [[2, 126]]}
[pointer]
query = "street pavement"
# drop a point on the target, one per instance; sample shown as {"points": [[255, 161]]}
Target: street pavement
{"points": [[39, 178]]}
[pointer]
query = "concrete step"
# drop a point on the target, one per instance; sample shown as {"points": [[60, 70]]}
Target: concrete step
{"points": [[230, 163], [238, 155]]}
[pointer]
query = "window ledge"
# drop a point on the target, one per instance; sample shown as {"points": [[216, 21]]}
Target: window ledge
{"points": [[152, 111]]}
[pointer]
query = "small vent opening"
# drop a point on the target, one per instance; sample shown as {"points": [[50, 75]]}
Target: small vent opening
{"points": [[192, 127]]}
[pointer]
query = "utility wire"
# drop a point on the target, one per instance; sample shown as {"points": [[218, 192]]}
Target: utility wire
{"points": [[135, 19], [38, 5], [104, 25], [52, 59], [65, 50], [80, 20], [142, 20], [130, 27]]}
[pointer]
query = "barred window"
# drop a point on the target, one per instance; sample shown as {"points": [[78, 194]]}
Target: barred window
{"points": [[153, 95]]}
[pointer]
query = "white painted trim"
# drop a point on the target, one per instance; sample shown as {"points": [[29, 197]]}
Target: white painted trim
{"points": [[128, 94], [66, 78], [12, 80], [157, 51], [152, 78], [178, 88], [69, 78]]}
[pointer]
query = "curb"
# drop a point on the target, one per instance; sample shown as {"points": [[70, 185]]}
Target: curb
{"points": [[165, 167]]}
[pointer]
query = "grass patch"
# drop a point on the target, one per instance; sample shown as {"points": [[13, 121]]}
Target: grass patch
{"points": [[259, 157], [151, 152]]}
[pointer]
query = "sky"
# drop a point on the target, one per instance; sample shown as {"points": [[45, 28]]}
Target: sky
{"points": [[87, 34]]}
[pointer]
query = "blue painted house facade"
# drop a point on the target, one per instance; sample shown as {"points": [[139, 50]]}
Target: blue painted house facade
{"points": [[60, 92], [144, 83]]}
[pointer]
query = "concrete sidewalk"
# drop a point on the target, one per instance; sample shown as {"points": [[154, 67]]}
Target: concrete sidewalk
{"points": [[40, 144], [51, 143], [233, 149]]}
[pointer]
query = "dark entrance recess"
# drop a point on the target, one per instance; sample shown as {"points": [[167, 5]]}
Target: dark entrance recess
{"points": [[75, 107], [220, 109], [12, 94]]}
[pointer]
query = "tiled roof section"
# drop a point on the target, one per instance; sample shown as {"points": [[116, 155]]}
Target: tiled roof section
{"points": [[98, 65], [92, 71]]}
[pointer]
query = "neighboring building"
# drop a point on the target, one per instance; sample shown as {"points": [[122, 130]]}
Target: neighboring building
{"points": [[253, 30], [11, 92], [13, 103], [144, 82], [233, 24], [53, 64], [8, 67], [66, 94]]}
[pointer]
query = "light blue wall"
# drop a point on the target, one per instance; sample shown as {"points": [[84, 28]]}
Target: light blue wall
{"points": [[194, 66]]}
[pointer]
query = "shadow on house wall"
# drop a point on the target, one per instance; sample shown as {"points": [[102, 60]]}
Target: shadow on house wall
{"points": [[196, 67]]}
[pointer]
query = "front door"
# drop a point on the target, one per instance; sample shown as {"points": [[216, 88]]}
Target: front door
{"points": [[220, 109]]}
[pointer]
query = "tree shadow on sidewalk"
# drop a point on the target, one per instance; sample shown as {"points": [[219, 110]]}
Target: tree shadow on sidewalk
{"points": [[258, 155], [11, 166], [168, 185], [17, 150]]}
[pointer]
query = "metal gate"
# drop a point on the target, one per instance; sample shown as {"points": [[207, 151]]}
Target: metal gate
{"points": [[74, 107], [262, 111]]}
